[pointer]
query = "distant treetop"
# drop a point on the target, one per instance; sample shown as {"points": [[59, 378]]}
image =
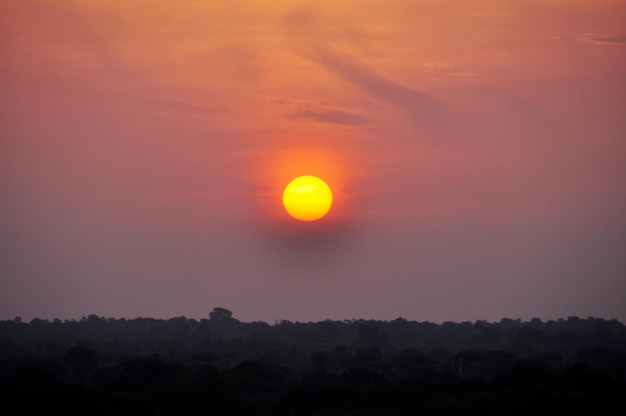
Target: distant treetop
{"points": [[220, 314]]}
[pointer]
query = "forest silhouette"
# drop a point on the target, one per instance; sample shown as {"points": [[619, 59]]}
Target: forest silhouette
{"points": [[219, 365]]}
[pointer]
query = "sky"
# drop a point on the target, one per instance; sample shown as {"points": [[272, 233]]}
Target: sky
{"points": [[476, 151]]}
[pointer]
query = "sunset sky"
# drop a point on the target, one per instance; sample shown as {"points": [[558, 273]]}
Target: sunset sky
{"points": [[476, 151]]}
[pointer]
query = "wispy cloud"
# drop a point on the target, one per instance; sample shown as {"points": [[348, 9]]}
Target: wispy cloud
{"points": [[617, 39], [328, 115], [338, 47], [440, 69], [425, 111], [191, 108]]}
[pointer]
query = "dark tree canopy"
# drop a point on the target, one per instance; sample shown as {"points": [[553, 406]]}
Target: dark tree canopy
{"points": [[181, 366], [220, 314]]}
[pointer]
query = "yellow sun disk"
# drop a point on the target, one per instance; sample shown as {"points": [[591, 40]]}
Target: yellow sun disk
{"points": [[307, 198]]}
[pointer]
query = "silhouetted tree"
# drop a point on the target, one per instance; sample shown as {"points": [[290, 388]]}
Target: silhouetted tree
{"points": [[220, 314]]}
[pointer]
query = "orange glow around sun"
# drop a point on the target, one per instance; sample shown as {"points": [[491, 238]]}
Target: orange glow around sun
{"points": [[278, 167], [307, 198]]}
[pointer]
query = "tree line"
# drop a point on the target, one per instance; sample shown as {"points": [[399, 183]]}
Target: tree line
{"points": [[182, 366]]}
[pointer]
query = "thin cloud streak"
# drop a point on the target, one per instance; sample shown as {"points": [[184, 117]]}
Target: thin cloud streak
{"points": [[192, 108], [331, 116], [619, 39]]}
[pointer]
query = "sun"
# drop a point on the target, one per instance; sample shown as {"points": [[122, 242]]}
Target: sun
{"points": [[307, 198]]}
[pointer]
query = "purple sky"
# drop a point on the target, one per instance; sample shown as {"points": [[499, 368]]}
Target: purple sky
{"points": [[476, 151]]}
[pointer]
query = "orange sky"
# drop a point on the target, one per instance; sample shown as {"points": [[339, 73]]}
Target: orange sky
{"points": [[147, 140]]}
